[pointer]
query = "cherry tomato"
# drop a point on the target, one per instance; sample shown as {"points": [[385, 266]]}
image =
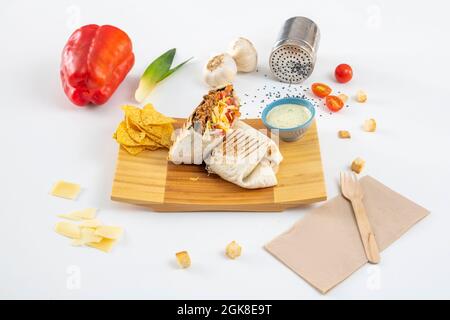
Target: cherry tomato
{"points": [[334, 103], [320, 89], [343, 73]]}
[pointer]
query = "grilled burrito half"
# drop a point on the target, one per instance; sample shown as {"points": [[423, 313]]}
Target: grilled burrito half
{"points": [[206, 127], [246, 157]]}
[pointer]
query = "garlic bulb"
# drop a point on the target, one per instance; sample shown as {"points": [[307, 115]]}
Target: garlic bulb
{"points": [[245, 55], [220, 70]]}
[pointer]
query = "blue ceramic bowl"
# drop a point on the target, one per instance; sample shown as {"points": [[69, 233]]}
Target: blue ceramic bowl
{"points": [[295, 133]]}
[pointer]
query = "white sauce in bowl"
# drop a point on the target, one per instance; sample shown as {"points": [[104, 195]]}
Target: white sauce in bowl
{"points": [[288, 116]]}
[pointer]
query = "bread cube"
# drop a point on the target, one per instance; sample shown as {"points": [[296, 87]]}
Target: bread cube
{"points": [[183, 259], [343, 97], [361, 96], [233, 250], [358, 165], [370, 125], [344, 134]]}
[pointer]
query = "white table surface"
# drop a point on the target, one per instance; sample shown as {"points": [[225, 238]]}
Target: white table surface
{"points": [[399, 52]]}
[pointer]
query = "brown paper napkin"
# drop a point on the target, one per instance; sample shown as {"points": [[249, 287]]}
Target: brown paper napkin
{"points": [[325, 247]]}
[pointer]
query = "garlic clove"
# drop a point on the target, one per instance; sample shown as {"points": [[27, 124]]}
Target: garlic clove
{"points": [[230, 73], [220, 70], [217, 77], [214, 78], [245, 55]]}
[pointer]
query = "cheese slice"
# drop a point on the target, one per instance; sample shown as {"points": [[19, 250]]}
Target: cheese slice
{"points": [[89, 231], [69, 216], [67, 190], [68, 229], [109, 232], [77, 242], [86, 214], [91, 223], [79, 215], [87, 236], [105, 245]]}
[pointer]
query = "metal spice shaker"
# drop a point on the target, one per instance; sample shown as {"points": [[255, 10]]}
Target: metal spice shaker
{"points": [[293, 57]]}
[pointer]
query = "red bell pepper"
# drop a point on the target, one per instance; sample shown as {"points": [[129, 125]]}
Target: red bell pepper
{"points": [[95, 61]]}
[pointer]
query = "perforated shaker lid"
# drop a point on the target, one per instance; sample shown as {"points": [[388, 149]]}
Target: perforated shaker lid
{"points": [[291, 63]]}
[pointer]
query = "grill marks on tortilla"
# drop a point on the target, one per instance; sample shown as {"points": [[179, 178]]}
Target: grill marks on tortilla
{"points": [[240, 144]]}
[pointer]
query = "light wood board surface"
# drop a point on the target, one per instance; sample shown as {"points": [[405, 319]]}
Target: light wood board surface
{"points": [[148, 179]]}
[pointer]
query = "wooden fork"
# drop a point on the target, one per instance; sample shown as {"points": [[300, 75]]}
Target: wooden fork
{"points": [[351, 190]]}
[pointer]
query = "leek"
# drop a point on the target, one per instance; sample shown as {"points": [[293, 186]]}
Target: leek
{"points": [[157, 71]]}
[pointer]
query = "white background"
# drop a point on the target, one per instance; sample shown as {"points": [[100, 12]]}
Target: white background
{"points": [[399, 52]]}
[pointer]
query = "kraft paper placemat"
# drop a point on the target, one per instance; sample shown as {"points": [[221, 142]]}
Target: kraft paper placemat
{"points": [[325, 247]]}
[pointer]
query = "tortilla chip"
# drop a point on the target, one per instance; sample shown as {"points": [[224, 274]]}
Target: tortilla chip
{"points": [[134, 150], [133, 113], [149, 116], [158, 131], [166, 139], [144, 129], [136, 133], [123, 137], [149, 142]]}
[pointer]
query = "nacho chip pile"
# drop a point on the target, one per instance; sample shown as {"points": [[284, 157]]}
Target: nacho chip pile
{"points": [[144, 129]]}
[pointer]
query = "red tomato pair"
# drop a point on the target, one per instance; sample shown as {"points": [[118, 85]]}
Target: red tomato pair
{"points": [[343, 74], [321, 90]]}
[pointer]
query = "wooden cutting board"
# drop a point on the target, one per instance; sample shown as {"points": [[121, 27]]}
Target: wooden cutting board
{"points": [[148, 179]]}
